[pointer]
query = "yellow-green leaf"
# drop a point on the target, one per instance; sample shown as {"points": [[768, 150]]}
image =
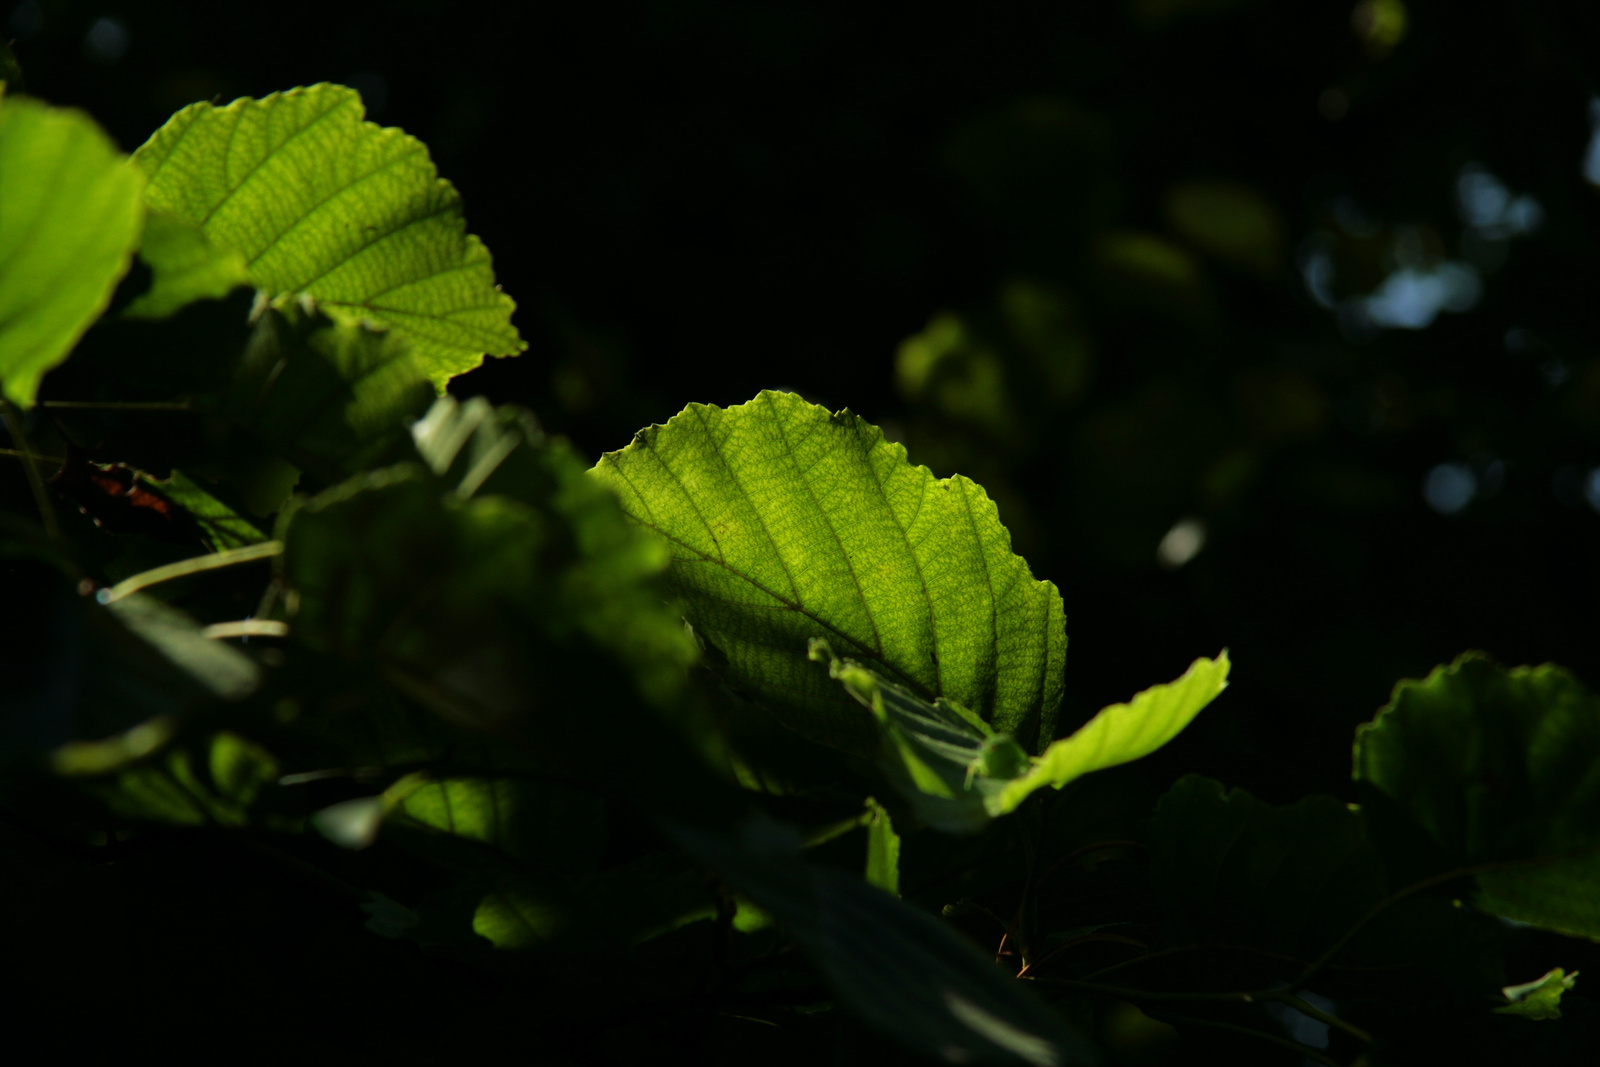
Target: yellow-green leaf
{"points": [[319, 201], [69, 221]]}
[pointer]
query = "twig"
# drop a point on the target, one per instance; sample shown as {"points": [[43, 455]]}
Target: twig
{"points": [[121, 405], [1398, 895], [265, 550], [1305, 1050], [1117, 938], [47, 511]]}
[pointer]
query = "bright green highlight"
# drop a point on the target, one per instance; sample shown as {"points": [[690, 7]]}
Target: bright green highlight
{"points": [[69, 221], [788, 523], [883, 849], [959, 773], [1540, 998], [319, 201], [1123, 732]]}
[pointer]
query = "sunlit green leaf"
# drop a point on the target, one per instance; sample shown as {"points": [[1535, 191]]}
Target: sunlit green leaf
{"points": [[959, 773], [69, 221], [1122, 733], [320, 202], [1540, 998], [221, 525], [786, 523], [1501, 768], [186, 267]]}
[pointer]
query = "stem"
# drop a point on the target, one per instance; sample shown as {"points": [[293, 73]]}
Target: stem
{"points": [[1180, 949], [1079, 853], [1125, 993], [265, 550], [31, 455], [1305, 1050], [1307, 1008], [1398, 895], [121, 405], [247, 628], [1117, 938], [47, 511]]}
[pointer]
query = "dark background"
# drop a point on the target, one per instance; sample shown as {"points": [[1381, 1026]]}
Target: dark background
{"points": [[1151, 229]]}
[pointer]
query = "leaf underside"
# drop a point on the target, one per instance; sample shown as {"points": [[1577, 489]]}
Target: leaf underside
{"points": [[788, 523]]}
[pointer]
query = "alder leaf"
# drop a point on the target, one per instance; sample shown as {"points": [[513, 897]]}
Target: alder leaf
{"points": [[788, 523], [1497, 767], [1123, 733], [319, 201], [959, 773], [186, 267], [69, 221]]}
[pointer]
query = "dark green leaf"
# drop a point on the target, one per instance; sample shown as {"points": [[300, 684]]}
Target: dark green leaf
{"points": [[1230, 869], [1498, 768], [898, 968]]}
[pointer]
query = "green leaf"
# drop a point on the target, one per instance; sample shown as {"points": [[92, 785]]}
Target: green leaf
{"points": [[213, 783], [1231, 869], [490, 608], [900, 969], [787, 523], [69, 221], [322, 203], [958, 773], [1497, 768], [222, 526], [186, 267], [332, 396], [1122, 733], [883, 849], [1540, 998]]}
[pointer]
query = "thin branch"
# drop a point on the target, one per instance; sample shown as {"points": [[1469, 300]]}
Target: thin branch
{"points": [[41, 497], [1116, 938], [1305, 1050], [31, 455], [1310, 1010], [1398, 895], [247, 628], [247, 554], [121, 405]]}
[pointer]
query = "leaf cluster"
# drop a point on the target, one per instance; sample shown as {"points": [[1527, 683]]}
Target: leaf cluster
{"points": [[741, 742]]}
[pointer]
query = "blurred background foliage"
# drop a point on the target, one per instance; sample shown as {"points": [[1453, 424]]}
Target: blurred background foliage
{"points": [[1268, 326]]}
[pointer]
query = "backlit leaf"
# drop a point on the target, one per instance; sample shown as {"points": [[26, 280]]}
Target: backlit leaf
{"points": [[1122, 733], [320, 202], [786, 523], [69, 221], [186, 267]]}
